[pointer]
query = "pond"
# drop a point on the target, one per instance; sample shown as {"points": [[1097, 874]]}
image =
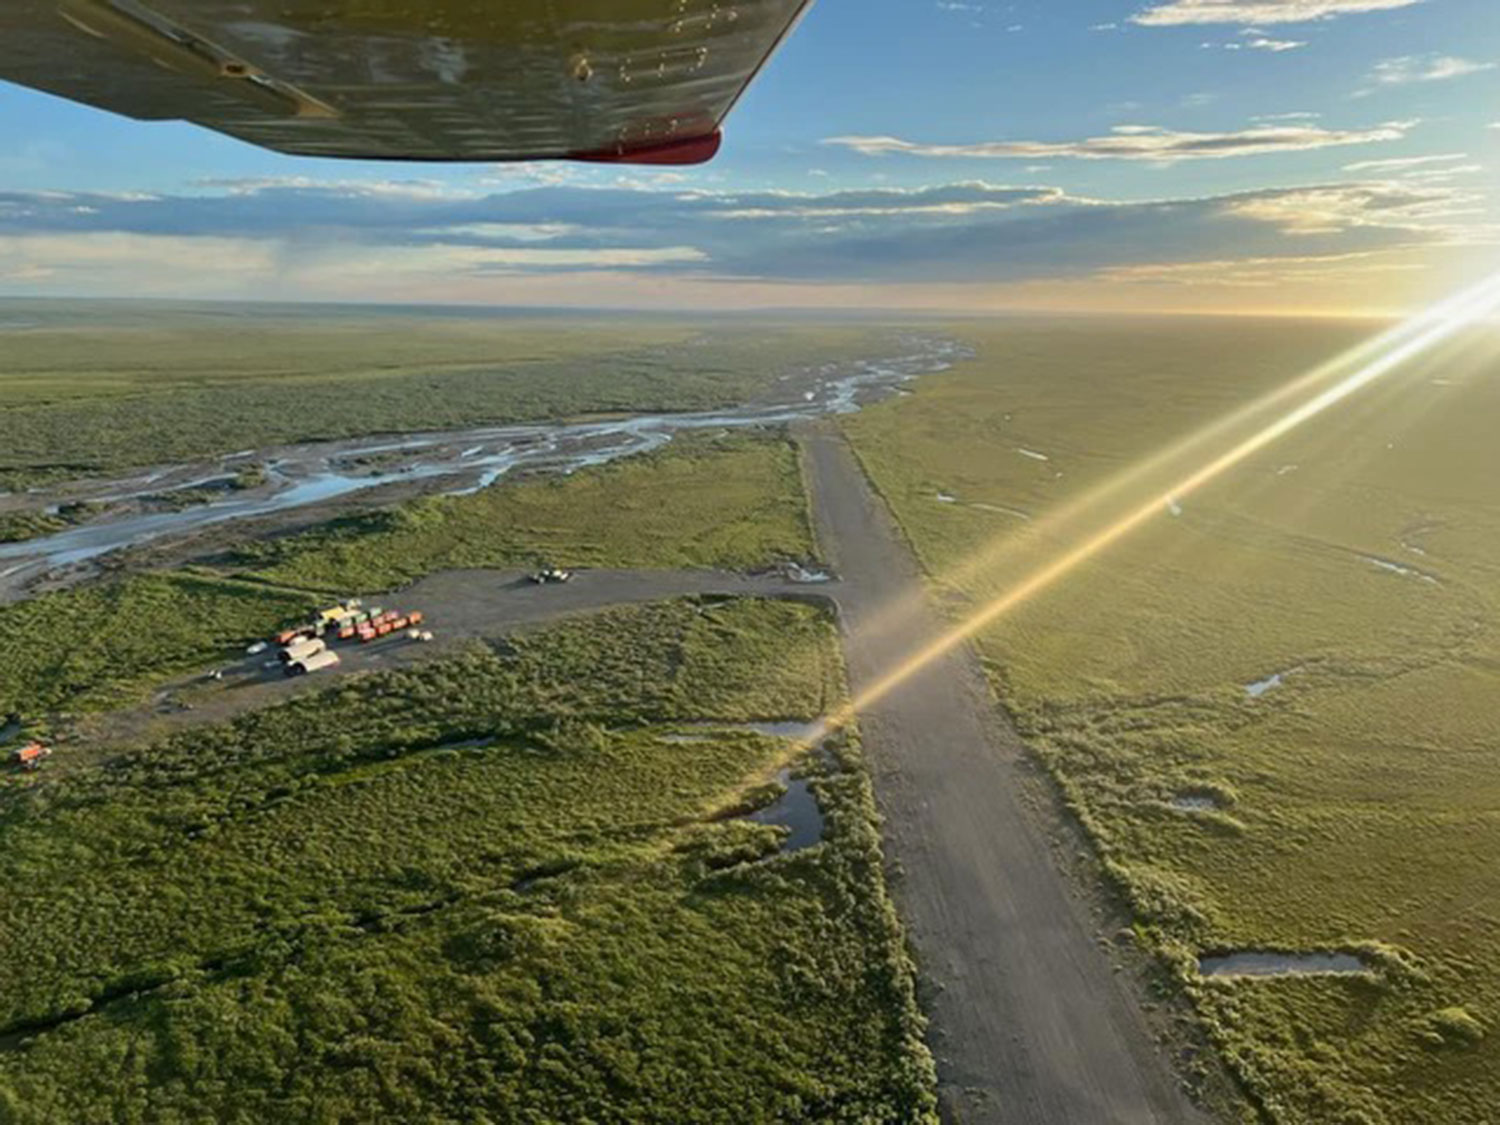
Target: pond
{"points": [[1263, 963], [1196, 802], [796, 810]]}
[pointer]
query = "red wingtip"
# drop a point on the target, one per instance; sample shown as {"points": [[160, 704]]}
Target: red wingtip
{"points": [[692, 150]]}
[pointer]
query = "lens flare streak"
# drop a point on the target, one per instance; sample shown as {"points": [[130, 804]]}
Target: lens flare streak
{"points": [[1353, 372]]}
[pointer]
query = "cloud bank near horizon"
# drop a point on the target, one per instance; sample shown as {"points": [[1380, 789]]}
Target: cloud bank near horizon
{"points": [[1178, 13], [1150, 143], [307, 240]]}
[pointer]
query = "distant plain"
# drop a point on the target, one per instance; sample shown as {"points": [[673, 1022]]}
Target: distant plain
{"points": [[513, 880], [94, 387], [1348, 574]]}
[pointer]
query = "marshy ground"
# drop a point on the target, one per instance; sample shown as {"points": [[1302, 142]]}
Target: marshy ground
{"points": [[1270, 716], [1310, 647]]}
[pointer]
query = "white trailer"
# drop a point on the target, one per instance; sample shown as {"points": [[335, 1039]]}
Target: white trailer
{"points": [[312, 662], [302, 648]]}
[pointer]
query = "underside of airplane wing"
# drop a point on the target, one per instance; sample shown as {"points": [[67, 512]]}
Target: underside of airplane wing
{"points": [[639, 81]]}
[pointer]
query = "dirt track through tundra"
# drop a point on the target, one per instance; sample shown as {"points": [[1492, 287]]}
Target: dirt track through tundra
{"points": [[1029, 1024]]}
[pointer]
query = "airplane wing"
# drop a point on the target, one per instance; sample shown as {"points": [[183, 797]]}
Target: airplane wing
{"points": [[635, 81]]}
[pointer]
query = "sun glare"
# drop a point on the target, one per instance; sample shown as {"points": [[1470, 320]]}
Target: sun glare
{"points": [[1214, 450]]}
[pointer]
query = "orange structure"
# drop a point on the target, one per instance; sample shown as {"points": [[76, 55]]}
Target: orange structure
{"points": [[30, 756]]}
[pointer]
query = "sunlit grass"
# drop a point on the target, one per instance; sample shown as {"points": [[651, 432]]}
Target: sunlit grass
{"points": [[1364, 785], [480, 889], [732, 501], [100, 387]]}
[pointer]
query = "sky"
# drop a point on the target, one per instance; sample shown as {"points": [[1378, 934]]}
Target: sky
{"points": [[1306, 156]]}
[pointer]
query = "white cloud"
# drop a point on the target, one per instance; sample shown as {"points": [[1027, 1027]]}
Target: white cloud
{"points": [[607, 258], [1341, 208], [1399, 163], [382, 189], [1256, 273], [904, 210], [1275, 46], [1178, 12], [518, 232], [1449, 173], [1410, 69], [112, 261], [316, 242], [1141, 142]]}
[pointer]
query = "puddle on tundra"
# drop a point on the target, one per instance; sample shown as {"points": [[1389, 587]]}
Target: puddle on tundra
{"points": [[1397, 568], [1260, 687], [1002, 510], [998, 509], [795, 572], [1196, 802], [703, 732], [1249, 963], [796, 810], [469, 744]]}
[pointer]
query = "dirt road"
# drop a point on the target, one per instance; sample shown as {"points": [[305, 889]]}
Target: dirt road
{"points": [[1029, 1024], [459, 605], [488, 603]]}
